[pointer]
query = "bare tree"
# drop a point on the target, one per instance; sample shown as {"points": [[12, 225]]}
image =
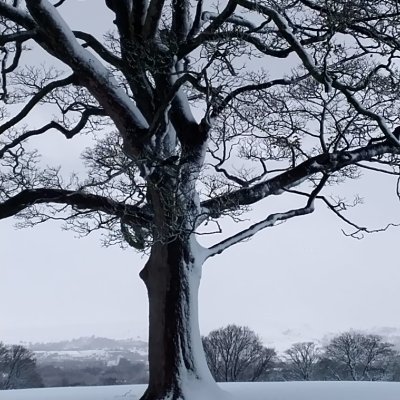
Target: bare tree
{"points": [[302, 358], [235, 353], [190, 126], [3, 365], [364, 356], [18, 368]]}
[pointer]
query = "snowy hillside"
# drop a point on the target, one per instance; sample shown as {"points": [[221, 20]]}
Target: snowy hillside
{"points": [[90, 349], [90, 343], [239, 391]]}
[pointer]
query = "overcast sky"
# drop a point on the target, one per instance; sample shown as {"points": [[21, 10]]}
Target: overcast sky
{"points": [[300, 280], [296, 281]]}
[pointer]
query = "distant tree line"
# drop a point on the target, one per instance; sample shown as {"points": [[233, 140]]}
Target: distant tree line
{"points": [[236, 353], [93, 373], [19, 370]]}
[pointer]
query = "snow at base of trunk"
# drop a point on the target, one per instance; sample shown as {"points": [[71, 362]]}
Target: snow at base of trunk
{"points": [[195, 389], [237, 391]]}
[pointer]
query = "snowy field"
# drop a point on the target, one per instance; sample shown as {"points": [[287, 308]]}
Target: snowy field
{"points": [[242, 391]]}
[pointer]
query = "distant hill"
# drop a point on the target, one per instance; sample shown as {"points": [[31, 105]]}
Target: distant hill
{"points": [[89, 349], [90, 343]]}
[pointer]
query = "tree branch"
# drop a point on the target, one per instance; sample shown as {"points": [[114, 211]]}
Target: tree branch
{"points": [[316, 72], [359, 231], [180, 19], [122, 10], [326, 163], [36, 98], [57, 37], [80, 200], [153, 18], [17, 16], [16, 37], [248, 233], [103, 52], [268, 222], [253, 88], [68, 133]]}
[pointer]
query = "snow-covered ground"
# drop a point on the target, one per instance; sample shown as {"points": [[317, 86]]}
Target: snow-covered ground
{"points": [[240, 391]]}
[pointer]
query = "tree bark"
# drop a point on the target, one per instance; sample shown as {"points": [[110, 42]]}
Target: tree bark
{"points": [[177, 365]]}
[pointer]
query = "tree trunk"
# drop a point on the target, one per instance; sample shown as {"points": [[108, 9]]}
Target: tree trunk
{"points": [[177, 365]]}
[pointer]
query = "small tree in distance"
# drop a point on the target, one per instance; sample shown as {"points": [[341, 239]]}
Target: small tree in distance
{"points": [[302, 358], [190, 125], [18, 368], [236, 354], [364, 357]]}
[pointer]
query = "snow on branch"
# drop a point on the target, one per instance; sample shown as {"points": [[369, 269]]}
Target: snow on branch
{"points": [[271, 220], [197, 20], [233, 19], [362, 110], [288, 34], [103, 52], [222, 17], [17, 15], [325, 163]]}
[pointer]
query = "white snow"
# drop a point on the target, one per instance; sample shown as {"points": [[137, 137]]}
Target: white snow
{"points": [[196, 344], [234, 18], [238, 391]]}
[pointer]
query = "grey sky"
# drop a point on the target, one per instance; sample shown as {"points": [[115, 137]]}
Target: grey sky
{"points": [[296, 281]]}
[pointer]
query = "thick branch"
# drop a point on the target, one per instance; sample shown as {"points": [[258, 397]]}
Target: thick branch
{"points": [[17, 15], [79, 200], [271, 220], [122, 10], [233, 19], [180, 19], [209, 31], [153, 18], [16, 37], [224, 15], [326, 163], [206, 37], [103, 52], [139, 11], [59, 39]]}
